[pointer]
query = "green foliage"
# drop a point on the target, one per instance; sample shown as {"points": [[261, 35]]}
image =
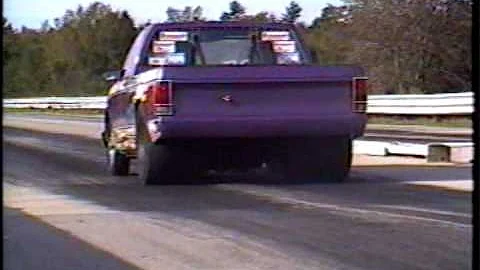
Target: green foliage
{"points": [[263, 17], [329, 38], [292, 12], [69, 58], [405, 46], [237, 11], [331, 46], [186, 15]]}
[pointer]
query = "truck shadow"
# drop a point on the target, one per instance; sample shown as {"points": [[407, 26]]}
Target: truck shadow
{"points": [[260, 176]]}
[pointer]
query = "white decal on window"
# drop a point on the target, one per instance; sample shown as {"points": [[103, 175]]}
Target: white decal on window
{"points": [[288, 58], [275, 35], [174, 36], [163, 46], [157, 60], [176, 59], [284, 46], [167, 59]]}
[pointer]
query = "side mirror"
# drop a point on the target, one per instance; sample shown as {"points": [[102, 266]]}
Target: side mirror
{"points": [[113, 76]]}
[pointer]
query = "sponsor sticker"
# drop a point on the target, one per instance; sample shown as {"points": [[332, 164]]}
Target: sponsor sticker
{"points": [[284, 46], [275, 35], [173, 36], [288, 58], [177, 59], [157, 60], [163, 46]]}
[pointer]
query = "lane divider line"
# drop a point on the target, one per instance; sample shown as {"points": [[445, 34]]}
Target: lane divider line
{"points": [[333, 207], [422, 210]]}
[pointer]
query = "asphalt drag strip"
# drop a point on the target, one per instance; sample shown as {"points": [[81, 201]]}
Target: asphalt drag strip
{"points": [[31, 244], [370, 222]]}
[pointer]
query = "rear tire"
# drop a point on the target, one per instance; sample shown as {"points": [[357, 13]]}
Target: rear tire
{"points": [[167, 162], [118, 163], [147, 171]]}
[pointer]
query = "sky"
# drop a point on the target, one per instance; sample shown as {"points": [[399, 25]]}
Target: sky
{"points": [[31, 13]]}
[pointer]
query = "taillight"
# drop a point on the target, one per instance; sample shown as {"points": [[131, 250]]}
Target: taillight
{"points": [[159, 96], [359, 94]]}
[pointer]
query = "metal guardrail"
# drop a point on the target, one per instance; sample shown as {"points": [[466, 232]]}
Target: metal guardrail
{"points": [[434, 104], [99, 102]]}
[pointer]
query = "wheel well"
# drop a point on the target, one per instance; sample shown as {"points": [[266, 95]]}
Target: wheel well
{"points": [[136, 108], [106, 119], [106, 130]]}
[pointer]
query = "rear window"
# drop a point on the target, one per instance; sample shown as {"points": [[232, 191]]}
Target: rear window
{"points": [[224, 47]]}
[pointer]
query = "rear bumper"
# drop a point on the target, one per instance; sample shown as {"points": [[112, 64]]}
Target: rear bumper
{"points": [[351, 125]]}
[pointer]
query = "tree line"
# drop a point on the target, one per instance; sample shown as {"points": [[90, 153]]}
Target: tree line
{"points": [[406, 46]]}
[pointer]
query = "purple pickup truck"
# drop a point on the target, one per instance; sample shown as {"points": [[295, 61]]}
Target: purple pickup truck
{"points": [[200, 96]]}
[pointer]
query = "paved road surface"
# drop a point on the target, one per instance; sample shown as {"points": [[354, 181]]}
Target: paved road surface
{"points": [[30, 244], [373, 221]]}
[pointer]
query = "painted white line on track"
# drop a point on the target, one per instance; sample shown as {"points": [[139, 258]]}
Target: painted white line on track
{"points": [[169, 240], [423, 210], [457, 185], [297, 202], [40, 202]]}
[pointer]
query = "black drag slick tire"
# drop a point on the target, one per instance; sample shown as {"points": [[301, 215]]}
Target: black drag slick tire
{"points": [[147, 171], [118, 163], [166, 163], [340, 162], [312, 160]]}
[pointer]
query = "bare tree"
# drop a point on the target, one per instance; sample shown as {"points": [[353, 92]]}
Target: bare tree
{"points": [[412, 46]]}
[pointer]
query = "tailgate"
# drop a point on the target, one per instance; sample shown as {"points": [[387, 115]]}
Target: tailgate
{"points": [[267, 91], [273, 99]]}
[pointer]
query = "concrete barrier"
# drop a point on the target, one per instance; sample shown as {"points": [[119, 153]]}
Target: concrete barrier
{"points": [[458, 152], [450, 152]]}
